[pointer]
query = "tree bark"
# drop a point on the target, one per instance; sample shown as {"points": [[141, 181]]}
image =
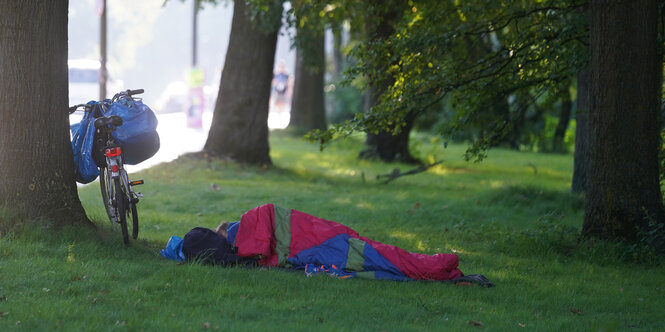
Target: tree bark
{"points": [[36, 161], [337, 58], [581, 133], [562, 125], [308, 108], [239, 128], [623, 192], [384, 145]]}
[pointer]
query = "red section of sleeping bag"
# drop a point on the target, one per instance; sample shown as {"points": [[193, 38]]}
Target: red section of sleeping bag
{"points": [[419, 266], [256, 234], [308, 231], [256, 237]]}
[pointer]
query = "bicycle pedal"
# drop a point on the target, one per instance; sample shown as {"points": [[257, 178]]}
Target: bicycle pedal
{"points": [[136, 182], [139, 195]]}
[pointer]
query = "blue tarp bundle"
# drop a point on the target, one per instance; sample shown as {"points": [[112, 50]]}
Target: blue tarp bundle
{"points": [[137, 136], [83, 137]]}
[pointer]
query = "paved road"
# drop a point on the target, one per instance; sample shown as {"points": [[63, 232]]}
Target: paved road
{"points": [[175, 139]]}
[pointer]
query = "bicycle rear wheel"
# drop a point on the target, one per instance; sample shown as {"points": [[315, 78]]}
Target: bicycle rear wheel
{"points": [[106, 186], [121, 208]]}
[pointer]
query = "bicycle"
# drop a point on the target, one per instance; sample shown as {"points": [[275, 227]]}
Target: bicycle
{"points": [[117, 190]]}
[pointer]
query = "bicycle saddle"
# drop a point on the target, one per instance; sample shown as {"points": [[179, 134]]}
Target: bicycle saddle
{"points": [[104, 121]]}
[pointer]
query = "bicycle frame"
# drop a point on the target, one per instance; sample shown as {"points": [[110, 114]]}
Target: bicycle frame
{"points": [[115, 165], [117, 190]]}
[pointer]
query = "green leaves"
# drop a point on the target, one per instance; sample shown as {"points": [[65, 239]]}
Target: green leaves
{"points": [[482, 66]]}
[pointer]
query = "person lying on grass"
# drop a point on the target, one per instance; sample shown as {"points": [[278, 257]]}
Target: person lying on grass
{"points": [[269, 235]]}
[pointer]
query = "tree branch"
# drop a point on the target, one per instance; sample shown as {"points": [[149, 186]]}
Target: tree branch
{"points": [[396, 172]]}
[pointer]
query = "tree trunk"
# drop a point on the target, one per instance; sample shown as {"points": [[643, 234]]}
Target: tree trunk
{"points": [[388, 147], [36, 161], [337, 58], [308, 109], [623, 191], [562, 125], [384, 145], [239, 128], [581, 133]]}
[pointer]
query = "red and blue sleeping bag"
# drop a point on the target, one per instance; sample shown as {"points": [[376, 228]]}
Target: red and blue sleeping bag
{"points": [[289, 238]]}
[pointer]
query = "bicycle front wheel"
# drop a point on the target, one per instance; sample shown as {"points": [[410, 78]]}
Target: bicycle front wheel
{"points": [[121, 208], [135, 220]]}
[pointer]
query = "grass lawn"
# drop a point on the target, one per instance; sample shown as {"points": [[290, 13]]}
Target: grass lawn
{"points": [[511, 218]]}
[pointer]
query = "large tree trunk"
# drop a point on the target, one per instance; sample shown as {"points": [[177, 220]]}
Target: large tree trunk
{"points": [[623, 191], [308, 109], [384, 145], [239, 128], [36, 162], [581, 133], [388, 147]]}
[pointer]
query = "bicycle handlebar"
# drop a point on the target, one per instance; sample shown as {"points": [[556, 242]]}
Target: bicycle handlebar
{"points": [[134, 92], [127, 92], [74, 108]]}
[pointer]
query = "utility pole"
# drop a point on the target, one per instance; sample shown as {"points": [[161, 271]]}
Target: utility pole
{"points": [[103, 73], [195, 78], [194, 34]]}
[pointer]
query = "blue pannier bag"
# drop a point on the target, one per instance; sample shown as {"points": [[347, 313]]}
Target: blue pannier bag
{"points": [[138, 134], [83, 136]]}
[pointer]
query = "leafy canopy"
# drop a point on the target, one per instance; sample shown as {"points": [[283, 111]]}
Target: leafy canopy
{"points": [[488, 60]]}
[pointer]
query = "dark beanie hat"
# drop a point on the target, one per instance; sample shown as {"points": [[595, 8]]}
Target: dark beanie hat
{"points": [[207, 246]]}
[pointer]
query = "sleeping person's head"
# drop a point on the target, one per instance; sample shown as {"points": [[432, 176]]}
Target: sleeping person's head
{"points": [[222, 229]]}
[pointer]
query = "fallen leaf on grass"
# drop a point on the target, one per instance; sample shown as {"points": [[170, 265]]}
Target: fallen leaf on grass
{"points": [[475, 323], [521, 325], [206, 325]]}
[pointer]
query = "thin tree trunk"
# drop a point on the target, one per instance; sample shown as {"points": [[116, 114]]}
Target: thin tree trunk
{"points": [[36, 161], [562, 125], [239, 128], [337, 58], [308, 108], [623, 191], [581, 133]]}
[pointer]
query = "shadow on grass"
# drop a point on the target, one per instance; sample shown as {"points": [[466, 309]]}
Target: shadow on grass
{"points": [[528, 196]]}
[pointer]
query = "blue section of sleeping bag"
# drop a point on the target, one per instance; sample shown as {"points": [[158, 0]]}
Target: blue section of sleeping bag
{"points": [[334, 252], [331, 252], [231, 232]]}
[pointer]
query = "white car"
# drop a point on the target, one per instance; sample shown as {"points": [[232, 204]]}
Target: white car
{"points": [[84, 81]]}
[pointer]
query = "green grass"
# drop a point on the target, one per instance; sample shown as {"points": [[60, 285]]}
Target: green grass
{"points": [[511, 218]]}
